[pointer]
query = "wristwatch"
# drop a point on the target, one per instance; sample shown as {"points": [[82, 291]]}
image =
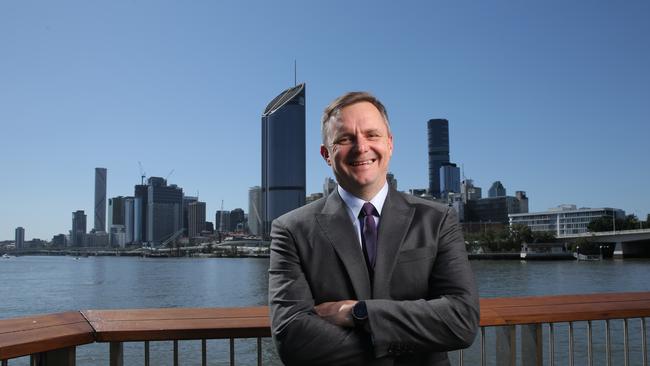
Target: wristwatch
{"points": [[360, 315]]}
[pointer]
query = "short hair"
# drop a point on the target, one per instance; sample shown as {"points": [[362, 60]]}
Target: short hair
{"points": [[333, 110]]}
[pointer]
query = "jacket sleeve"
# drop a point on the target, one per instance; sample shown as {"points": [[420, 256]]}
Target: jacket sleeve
{"points": [[448, 319], [300, 335]]}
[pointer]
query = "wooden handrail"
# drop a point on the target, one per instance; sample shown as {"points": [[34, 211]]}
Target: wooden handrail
{"points": [[31, 335], [179, 323]]}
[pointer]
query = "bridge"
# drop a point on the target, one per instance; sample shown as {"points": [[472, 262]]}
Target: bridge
{"points": [[628, 243]]}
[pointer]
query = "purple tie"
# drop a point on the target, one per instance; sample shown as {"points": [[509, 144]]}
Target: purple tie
{"points": [[369, 234]]}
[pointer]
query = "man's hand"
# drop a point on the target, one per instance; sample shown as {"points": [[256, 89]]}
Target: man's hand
{"points": [[338, 312]]}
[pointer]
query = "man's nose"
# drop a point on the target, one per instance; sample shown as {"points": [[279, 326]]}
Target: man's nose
{"points": [[361, 145]]}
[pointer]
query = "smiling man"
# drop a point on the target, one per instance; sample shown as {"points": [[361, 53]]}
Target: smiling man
{"points": [[368, 275]]}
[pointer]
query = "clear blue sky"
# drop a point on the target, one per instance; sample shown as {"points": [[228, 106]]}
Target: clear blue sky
{"points": [[550, 97]]}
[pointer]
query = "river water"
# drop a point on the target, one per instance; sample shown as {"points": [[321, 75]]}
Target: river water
{"points": [[40, 285]]}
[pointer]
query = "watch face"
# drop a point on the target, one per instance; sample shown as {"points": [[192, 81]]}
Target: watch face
{"points": [[360, 311]]}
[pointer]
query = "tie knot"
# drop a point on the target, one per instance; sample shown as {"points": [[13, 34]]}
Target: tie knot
{"points": [[367, 210]]}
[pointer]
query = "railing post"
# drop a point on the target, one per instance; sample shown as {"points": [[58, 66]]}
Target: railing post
{"points": [[506, 345], [116, 354], [59, 357], [532, 345]]}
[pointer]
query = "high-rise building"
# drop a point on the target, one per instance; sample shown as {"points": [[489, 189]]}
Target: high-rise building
{"points": [[129, 219], [469, 191], [438, 138], [237, 219], [495, 209], [283, 155], [186, 218], [195, 218], [254, 211], [449, 179], [496, 190], [329, 186], [116, 211], [222, 221], [392, 182], [20, 238], [164, 210], [78, 232], [100, 199], [141, 198]]}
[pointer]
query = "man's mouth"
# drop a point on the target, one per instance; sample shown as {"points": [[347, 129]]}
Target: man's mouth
{"points": [[363, 162]]}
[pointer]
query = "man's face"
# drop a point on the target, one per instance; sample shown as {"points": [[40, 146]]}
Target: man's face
{"points": [[360, 147]]}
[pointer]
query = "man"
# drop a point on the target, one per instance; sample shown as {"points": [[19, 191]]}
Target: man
{"points": [[368, 275]]}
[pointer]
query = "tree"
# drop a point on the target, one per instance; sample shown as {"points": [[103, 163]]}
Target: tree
{"points": [[601, 224]]}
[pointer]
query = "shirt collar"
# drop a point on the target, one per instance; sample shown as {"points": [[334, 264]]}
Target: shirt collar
{"points": [[355, 203]]}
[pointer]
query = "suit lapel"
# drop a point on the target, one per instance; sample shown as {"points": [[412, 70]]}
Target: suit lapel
{"points": [[396, 216], [336, 227]]}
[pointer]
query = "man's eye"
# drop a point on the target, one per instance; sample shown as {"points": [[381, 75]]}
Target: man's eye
{"points": [[344, 141]]}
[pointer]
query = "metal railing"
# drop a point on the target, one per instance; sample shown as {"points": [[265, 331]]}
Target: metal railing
{"points": [[52, 339]]}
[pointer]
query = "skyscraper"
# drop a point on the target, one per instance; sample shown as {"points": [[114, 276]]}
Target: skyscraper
{"points": [[329, 186], [141, 198], [20, 238], [283, 155], [100, 199], [237, 218], [254, 210], [222, 221], [497, 190], [78, 232], [164, 210], [449, 179], [195, 218], [438, 138]]}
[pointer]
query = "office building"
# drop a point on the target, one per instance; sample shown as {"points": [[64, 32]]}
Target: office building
{"points": [[438, 141], [59, 241], [140, 200], [20, 238], [195, 218], [390, 179], [254, 211], [164, 210], [313, 197], [222, 221], [283, 155], [100, 199], [449, 179], [496, 190], [329, 186], [564, 219], [469, 191], [237, 220], [78, 232], [494, 209], [116, 211], [186, 203], [129, 219]]}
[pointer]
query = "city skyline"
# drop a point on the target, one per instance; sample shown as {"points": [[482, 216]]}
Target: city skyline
{"points": [[547, 98]]}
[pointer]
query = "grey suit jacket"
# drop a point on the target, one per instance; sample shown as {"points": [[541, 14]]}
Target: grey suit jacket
{"points": [[422, 302]]}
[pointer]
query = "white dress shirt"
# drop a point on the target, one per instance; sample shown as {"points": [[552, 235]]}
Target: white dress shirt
{"points": [[353, 204]]}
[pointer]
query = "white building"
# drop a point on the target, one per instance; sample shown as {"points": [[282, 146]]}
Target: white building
{"points": [[564, 219]]}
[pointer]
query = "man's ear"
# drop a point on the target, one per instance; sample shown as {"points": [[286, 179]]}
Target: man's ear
{"points": [[325, 154]]}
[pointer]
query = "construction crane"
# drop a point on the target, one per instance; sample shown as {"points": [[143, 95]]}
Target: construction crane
{"points": [[168, 175], [142, 173]]}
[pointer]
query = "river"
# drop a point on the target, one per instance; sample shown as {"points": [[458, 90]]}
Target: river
{"points": [[40, 285]]}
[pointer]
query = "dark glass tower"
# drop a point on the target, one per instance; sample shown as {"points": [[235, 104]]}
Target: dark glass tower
{"points": [[438, 130], [100, 199], [283, 155]]}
